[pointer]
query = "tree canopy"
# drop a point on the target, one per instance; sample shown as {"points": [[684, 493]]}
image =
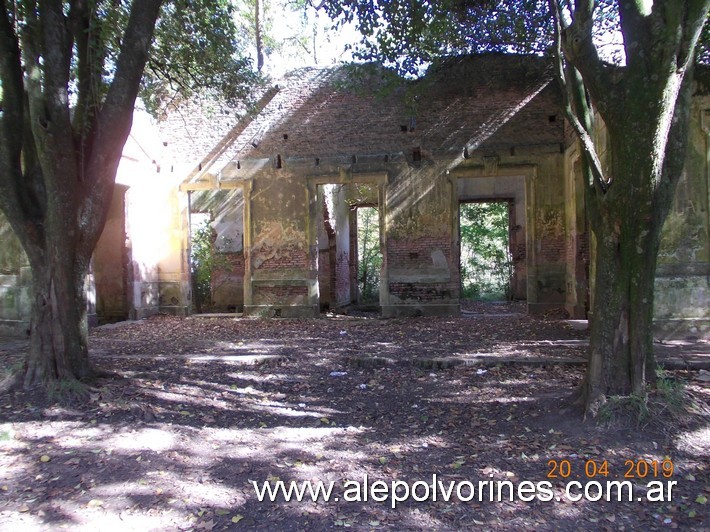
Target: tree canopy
{"points": [[643, 102], [197, 48], [71, 72], [409, 34]]}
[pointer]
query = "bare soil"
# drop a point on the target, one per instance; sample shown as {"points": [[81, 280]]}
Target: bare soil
{"points": [[205, 406]]}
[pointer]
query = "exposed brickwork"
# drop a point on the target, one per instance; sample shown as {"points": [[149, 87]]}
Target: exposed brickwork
{"points": [[325, 277], [228, 265], [416, 252], [286, 258], [280, 295], [423, 292], [553, 249], [342, 278], [228, 282], [416, 255], [492, 101]]}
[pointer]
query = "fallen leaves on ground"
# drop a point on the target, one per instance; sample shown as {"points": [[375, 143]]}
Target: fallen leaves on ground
{"points": [[208, 407]]}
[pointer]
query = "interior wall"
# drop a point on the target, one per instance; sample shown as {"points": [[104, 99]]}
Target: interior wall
{"points": [[15, 283], [109, 263], [281, 243], [682, 288]]}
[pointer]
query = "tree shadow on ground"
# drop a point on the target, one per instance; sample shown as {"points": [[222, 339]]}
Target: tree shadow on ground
{"points": [[180, 441]]}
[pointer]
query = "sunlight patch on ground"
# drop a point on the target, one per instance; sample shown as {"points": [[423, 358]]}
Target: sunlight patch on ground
{"points": [[695, 442], [263, 378], [157, 440]]}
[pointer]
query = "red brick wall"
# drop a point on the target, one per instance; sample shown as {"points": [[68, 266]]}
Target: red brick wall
{"points": [[424, 292], [417, 251], [342, 278], [415, 255], [325, 279], [228, 282], [280, 295], [553, 249], [286, 258], [234, 267]]}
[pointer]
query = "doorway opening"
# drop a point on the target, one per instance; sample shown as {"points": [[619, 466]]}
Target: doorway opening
{"points": [[369, 254], [217, 251], [486, 261], [348, 242]]}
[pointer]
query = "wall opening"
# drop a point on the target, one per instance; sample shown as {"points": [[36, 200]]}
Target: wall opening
{"points": [[217, 251], [348, 241], [334, 254], [369, 254], [486, 261]]}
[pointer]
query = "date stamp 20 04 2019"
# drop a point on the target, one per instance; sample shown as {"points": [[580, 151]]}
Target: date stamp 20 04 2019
{"points": [[595, 469], [593, 482]]}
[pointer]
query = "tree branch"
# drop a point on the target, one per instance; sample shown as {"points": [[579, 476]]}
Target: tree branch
{"points": [[676, 149], [115, 118], [56, 63], [575, 106], [696, 14], [12, 94], [10, 116], [579, 50]]}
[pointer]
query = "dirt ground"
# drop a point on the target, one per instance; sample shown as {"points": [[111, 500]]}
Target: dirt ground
{"points": [[206, 407]]}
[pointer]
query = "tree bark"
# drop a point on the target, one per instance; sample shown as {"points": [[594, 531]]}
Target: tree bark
{"points": [[645, 107], [259, 38], [621, 356], [58, 337], [56, 180]]}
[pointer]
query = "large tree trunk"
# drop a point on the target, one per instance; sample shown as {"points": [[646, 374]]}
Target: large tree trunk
{"points": [[627, 220], [58, 166], [59, 325], [645, 106], [621, 359]]}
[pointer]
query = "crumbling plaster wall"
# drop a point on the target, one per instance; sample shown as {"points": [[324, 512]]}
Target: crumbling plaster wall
{"points": [[682, 286], [576, 238], [109, 263], [335, 132], [421, 269], [15, 283], [682, 295], [282, 261]]}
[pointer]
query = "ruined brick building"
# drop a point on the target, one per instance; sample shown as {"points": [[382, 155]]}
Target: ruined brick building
{"points": [[281, 185]]}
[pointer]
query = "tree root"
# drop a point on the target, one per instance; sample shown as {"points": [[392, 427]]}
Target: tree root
{"points": [[100, 373], [577, 397], [68, 391], [11, 381]]}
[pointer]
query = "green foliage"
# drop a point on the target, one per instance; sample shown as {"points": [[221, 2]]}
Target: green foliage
{"points": [[197, 48], [670, 390], [486, 263], [660, 407], [369, 254], [205, 261], [202, 264], [702, 54], [410, 34], [623, 411]]}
